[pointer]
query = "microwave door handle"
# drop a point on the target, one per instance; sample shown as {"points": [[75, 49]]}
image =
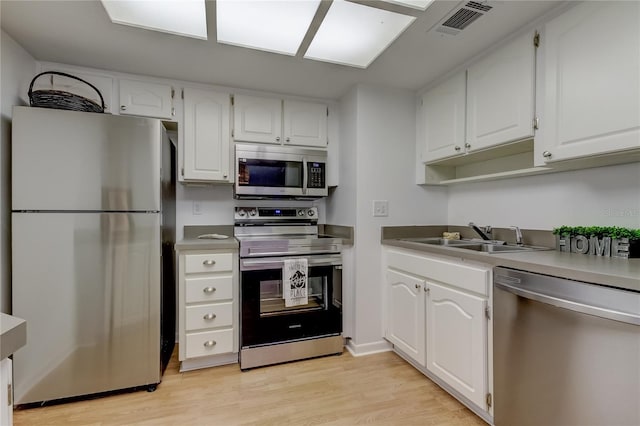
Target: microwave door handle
{"points": [[305, 177]]}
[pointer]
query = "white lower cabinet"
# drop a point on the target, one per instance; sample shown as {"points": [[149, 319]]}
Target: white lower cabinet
{"points": [[457, 340], [437, 315], [405, 328], [6, 392], [208, 321]]}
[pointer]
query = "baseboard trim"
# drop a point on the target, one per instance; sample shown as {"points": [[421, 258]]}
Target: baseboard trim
{"points": [[368, 348], [208, 361]]}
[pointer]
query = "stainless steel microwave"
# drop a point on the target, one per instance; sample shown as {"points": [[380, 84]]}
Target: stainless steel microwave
{"points": [[264, 171]]}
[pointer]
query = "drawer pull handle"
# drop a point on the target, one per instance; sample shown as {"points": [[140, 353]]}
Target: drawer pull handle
{"points": [[209, 343], [209, 317], [209, 262], [209, 290]]}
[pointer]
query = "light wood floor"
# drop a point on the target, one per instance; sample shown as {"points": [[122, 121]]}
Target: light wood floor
{"points": [[336, 390]]}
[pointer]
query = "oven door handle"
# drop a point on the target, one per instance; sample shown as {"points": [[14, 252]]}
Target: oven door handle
{"points": [[279, 263]]}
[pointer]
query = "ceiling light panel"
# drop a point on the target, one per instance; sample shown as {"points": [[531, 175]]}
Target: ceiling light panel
{"points": [[183, 17], [414, 4], [355, 35], [273, 25]]}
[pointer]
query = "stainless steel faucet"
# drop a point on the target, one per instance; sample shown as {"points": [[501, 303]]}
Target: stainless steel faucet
{"points": [[485, 232], [518, 235]]}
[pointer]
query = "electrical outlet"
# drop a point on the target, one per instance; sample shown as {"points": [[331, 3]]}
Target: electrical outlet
{"points": [[197, 207], [380, 208]]}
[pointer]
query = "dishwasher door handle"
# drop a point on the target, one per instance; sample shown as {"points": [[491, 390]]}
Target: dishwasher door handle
{"points": [[569, 304]]}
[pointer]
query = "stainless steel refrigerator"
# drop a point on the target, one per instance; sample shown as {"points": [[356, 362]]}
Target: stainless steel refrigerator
{"points": [[93, 227]]}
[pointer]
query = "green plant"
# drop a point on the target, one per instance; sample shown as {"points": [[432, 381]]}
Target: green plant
{"points": [[598, 231]]}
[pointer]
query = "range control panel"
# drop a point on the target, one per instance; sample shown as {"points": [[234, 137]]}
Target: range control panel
{"points": [[274, 214]]}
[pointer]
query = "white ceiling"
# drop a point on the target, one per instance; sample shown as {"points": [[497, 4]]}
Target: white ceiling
{"points": [[80, 33]]}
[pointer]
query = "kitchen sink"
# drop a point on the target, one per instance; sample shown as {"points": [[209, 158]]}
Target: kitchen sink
{"points": [[494, 248], [489, 246], [440, 241]]}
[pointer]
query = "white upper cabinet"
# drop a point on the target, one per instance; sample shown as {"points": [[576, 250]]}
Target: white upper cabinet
{"points": [[257, 119], [271, 120], [146, 99], [501, 95], [443, 109], [305, 123], [591, 81], [406, 314], [206, 136]]}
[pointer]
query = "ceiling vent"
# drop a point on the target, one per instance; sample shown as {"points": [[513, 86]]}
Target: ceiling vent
{"points": [[462, 17]]}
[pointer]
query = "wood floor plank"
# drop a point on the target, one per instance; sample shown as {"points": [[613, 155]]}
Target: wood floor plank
{"points": [[380, 389]]}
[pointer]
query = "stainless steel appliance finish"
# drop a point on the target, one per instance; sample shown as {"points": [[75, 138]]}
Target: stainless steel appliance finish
{"points": [[271, 331], [92, 231], [264, 171], [565, 352]]}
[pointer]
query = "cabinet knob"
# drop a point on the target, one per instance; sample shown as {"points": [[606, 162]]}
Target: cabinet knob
{"points": [[288, 140], [546, 154], [209, 290], [277, 138], [457, 148], [209, 317], [123, 107], [209, 262], [427, 289], [417, 286], [209, 343], [224, 176], [467, 145]]}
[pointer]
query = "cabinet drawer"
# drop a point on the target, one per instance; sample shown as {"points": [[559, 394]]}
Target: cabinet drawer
{"points": [[209, 343], [209, 316], [213, 262], [208, 289]]}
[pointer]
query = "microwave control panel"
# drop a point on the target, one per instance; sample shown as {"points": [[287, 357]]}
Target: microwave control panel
{"points": [[316, 173]]}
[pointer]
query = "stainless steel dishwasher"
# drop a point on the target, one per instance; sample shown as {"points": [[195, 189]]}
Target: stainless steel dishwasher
{"points": [[565, 352]]}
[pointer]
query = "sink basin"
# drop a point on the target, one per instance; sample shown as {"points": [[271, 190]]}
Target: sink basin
{"points": [[493, 248], [439, 241]]}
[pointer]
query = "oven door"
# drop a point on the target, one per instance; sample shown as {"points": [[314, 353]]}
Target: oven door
{"points": [[266, 320]]}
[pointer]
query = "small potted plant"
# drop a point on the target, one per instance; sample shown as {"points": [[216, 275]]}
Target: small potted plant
{"points": [[609, 241]]}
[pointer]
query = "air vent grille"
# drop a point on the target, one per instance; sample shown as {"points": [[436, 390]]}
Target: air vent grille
{"points": [[461, 19], [478, 6]]}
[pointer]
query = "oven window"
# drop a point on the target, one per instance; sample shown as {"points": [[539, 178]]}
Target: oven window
{"points": [[272, 302], [270, 173]]}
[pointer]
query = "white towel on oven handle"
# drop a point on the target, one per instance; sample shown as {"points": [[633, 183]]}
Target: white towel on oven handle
{"points": [[294, 282]]}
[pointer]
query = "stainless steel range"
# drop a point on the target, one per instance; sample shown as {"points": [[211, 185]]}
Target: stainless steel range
{"points": [[276, 327]]}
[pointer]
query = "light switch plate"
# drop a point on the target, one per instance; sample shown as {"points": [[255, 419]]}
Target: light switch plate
{"points": [[197, 208], [380, 208]]}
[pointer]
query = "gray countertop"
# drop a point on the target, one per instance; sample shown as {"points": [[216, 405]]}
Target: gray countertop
{"points": [[13, 334], [615, 272], [192, 242]]}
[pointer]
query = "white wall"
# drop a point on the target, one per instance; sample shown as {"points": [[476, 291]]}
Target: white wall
{"points": [[598, 196], [384, 152], [17, 68]]}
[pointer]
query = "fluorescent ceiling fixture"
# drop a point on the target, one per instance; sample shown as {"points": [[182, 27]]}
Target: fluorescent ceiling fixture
{"points": [[414, 4], [273, 25], [182, 17], [353, 34]]}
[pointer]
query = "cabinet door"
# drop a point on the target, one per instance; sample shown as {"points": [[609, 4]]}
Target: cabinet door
{"points": [[6, 392], [444, 117], [257, 119], [500, 95], [305, 123], [457, 341], [146, 99], [592, 81], [206, 136], [405, 314]]}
